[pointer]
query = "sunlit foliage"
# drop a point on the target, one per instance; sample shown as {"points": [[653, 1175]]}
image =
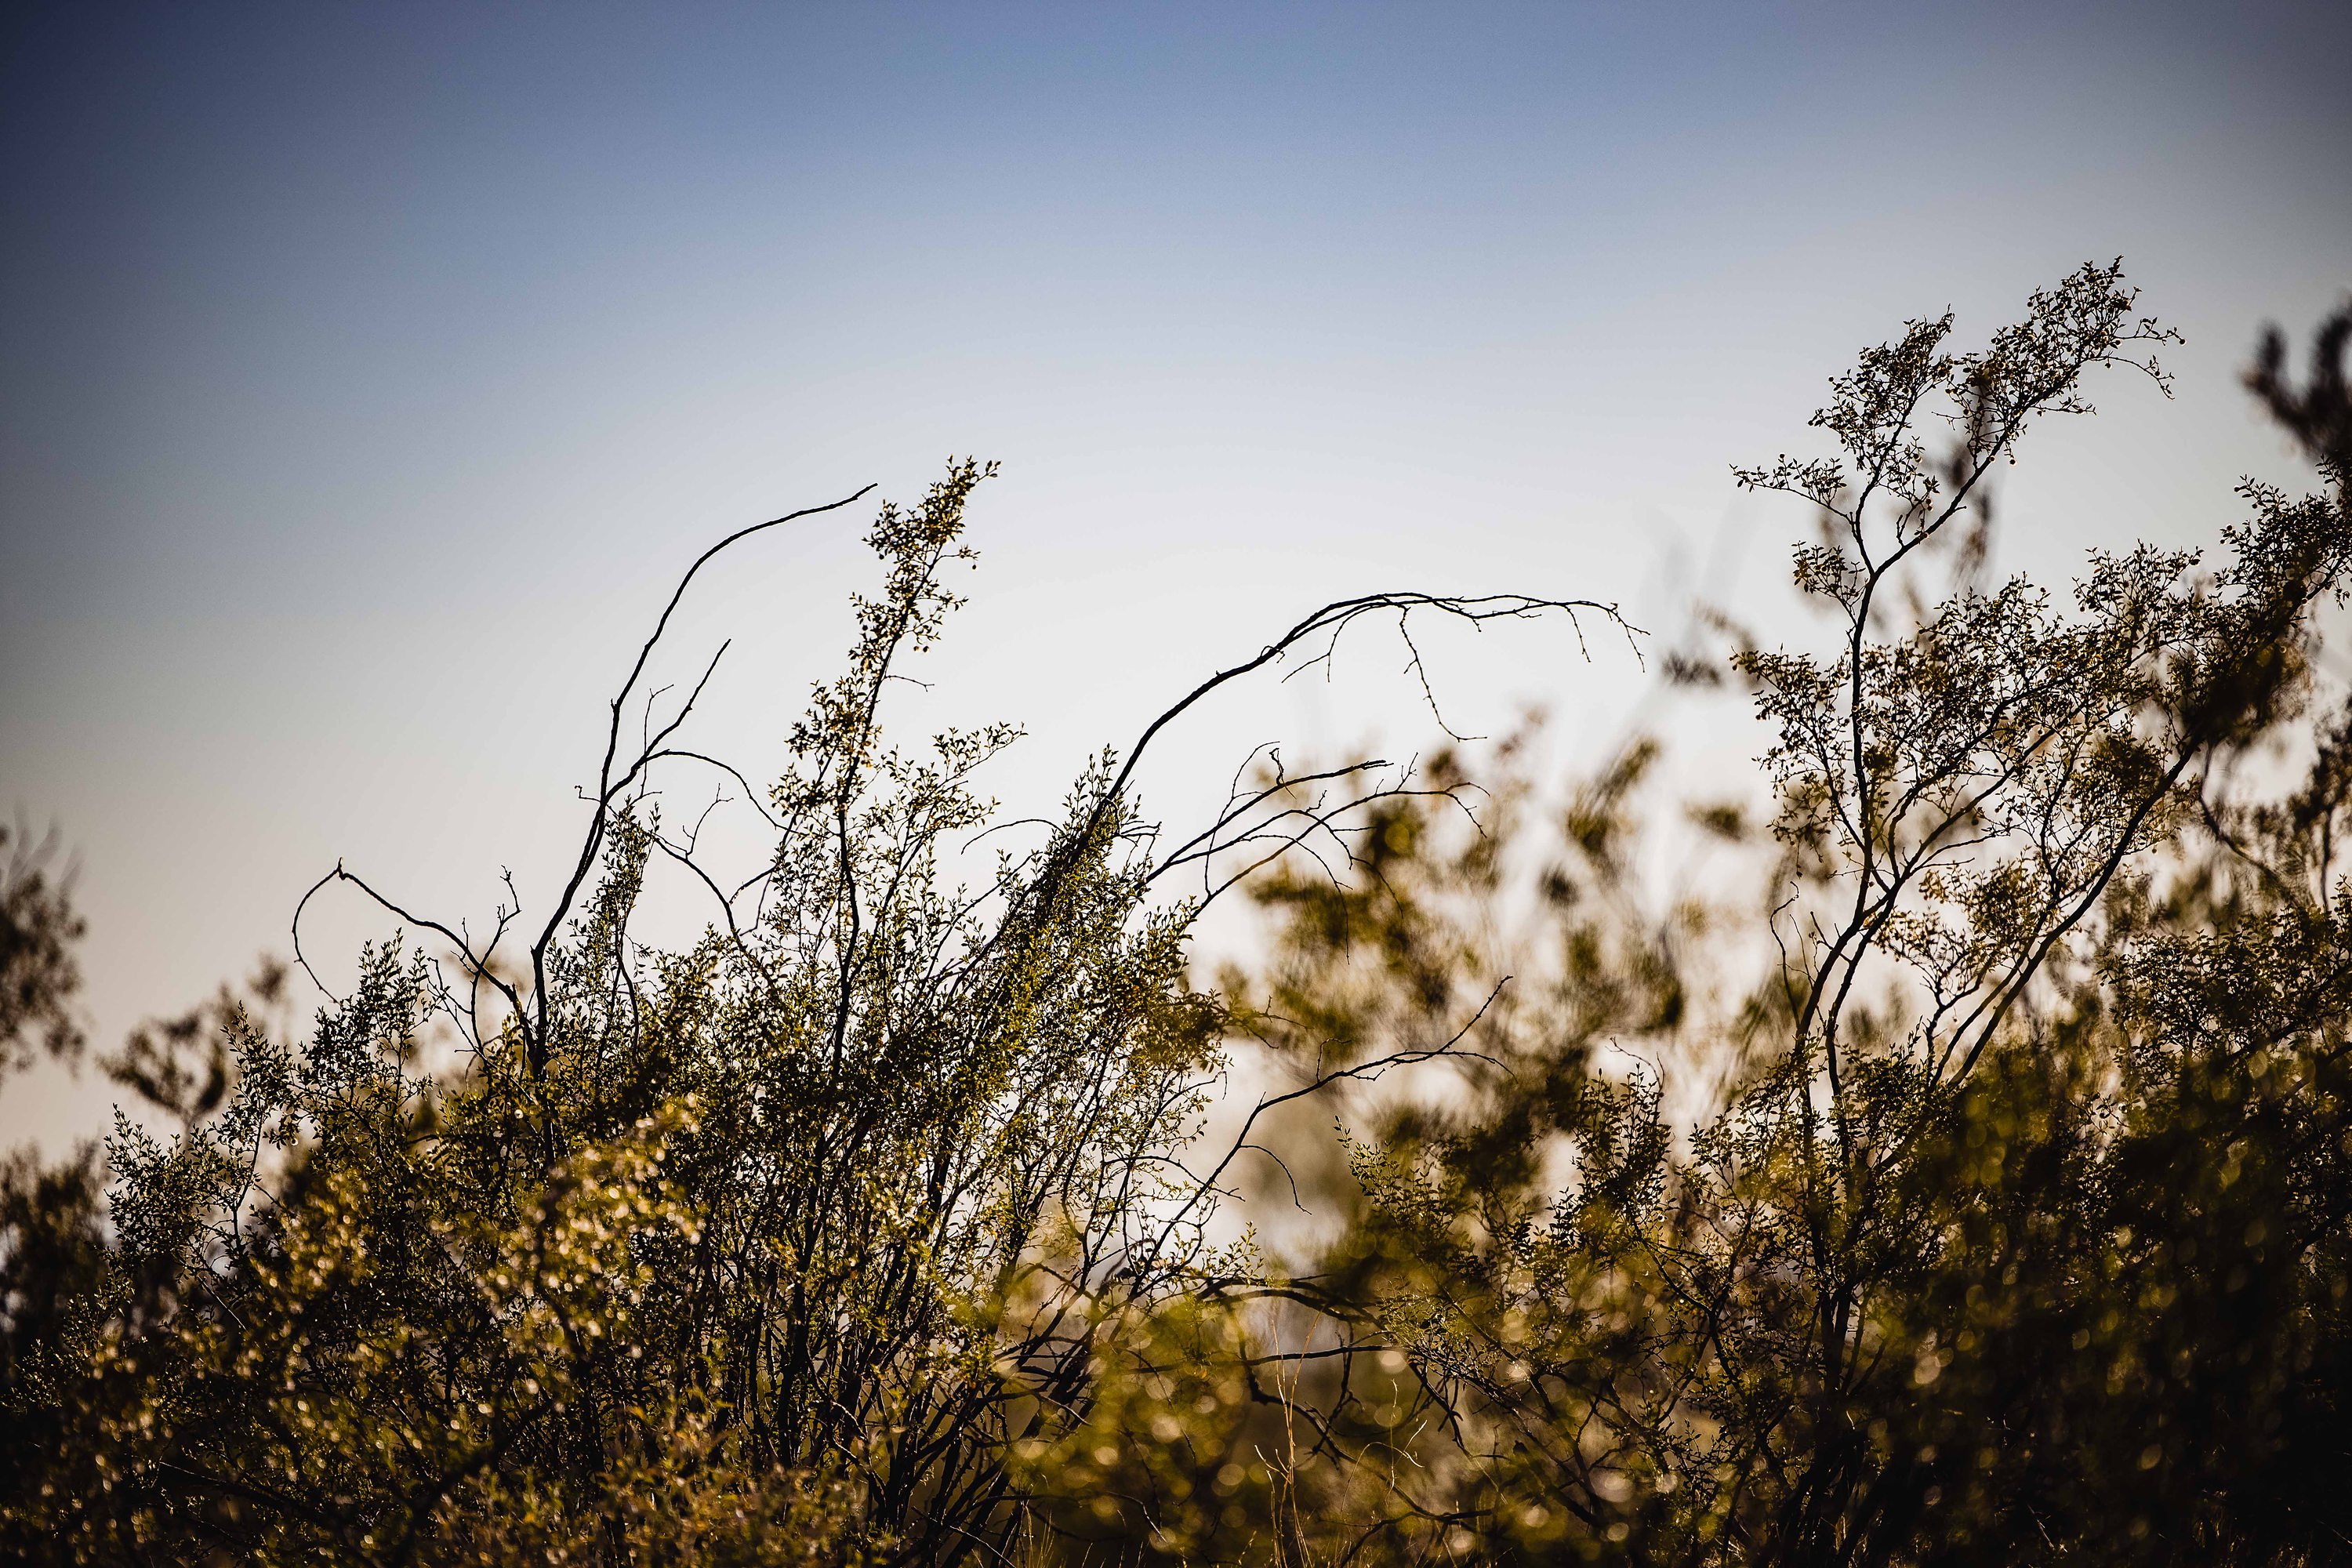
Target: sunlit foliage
{"points": [[1937, 1149], [2019, 1231]]}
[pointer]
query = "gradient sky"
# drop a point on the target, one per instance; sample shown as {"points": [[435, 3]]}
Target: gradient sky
{"points": [[366, 374]]}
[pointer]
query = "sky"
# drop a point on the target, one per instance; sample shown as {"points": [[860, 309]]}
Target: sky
{"points": [[367, 374]]}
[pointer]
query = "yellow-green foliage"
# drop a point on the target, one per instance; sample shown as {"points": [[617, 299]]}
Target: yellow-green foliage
{"points": [[1959, 1172], [2018, 1230]]}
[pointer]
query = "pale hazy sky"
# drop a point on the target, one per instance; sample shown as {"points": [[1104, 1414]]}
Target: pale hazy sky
{"points": [[367, 374]]}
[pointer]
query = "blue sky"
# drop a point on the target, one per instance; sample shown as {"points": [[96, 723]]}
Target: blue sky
{"points": [[365, 374]]}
